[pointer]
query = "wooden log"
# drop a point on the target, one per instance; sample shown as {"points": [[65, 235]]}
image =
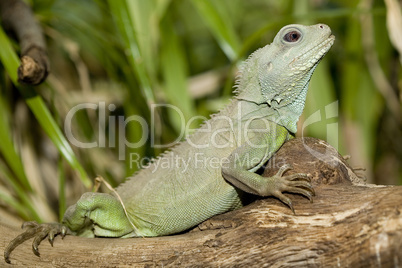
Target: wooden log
{"points": [[349, 224]]}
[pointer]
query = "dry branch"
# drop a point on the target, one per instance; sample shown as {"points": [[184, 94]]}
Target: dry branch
{"points": [[18, 17]]}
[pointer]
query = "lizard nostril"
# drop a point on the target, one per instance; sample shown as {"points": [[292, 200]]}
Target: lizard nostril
{"points": [[321, 26]]}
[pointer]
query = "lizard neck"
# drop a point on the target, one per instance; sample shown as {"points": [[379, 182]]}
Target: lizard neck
{"points": [[284, 112], [289, 115], [286, 116], [290, 112]]}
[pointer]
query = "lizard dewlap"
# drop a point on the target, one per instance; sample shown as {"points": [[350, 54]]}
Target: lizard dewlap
{"points": [[218, 161]]}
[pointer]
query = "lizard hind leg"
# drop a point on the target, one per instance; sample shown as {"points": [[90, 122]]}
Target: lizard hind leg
{"points": [[95, 214]]}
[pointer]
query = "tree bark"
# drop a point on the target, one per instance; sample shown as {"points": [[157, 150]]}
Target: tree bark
{"points": [[349, 224]]}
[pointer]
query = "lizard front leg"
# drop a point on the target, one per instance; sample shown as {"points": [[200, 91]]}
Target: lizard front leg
{"points": [[95, 214], [249, 157]]}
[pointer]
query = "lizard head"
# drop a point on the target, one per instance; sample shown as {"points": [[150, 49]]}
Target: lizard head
{"points": [[284, 71], [280, 72]]}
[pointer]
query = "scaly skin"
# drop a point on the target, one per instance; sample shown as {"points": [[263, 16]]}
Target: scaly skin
{"points": [[203, 176]]}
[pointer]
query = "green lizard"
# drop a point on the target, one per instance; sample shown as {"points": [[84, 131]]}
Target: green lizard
{"points": [[209, 171]]}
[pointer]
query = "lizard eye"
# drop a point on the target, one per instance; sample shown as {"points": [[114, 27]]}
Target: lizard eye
{"points": [[292, 36]]}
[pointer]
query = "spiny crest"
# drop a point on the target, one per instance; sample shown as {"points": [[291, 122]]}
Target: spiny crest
{"points": [[244, 69]]}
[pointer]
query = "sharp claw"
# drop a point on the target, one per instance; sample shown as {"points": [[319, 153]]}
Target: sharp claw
{"points": [[7, 257], [63, 232], [293, 210], [52, 234], [310, 198], [290, 205], [41, 234], [285, 200], [312, 191], [35, 249], [51, 239]]}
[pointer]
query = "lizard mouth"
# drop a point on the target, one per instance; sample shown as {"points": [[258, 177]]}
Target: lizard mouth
{"points": [[324, 47], [312, 56]]}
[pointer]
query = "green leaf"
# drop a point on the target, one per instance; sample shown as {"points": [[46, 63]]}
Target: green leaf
{"points": [[220, 25], [12, 202], [62, 195], [7, 149], [138, 68], [124, 22], [39, 109], [24, 208], [53, 131], [174, 69], [144, 26]]}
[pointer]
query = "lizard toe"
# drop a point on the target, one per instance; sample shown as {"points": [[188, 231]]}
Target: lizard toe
{"points": [[298, 176], [29, 225], [21, 238], [283, 169], [301, 191], [52, 234], [285, 200], [299, 183], [302, 184]]}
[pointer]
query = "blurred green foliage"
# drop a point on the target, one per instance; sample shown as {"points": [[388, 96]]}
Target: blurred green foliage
{"points": [[126, 57]]}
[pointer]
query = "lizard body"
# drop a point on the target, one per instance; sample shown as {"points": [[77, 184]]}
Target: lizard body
{"points": [[206, 174]]}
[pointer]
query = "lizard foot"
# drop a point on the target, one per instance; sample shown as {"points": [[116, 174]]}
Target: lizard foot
{"points": [[299, 183], [39, 232]]}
